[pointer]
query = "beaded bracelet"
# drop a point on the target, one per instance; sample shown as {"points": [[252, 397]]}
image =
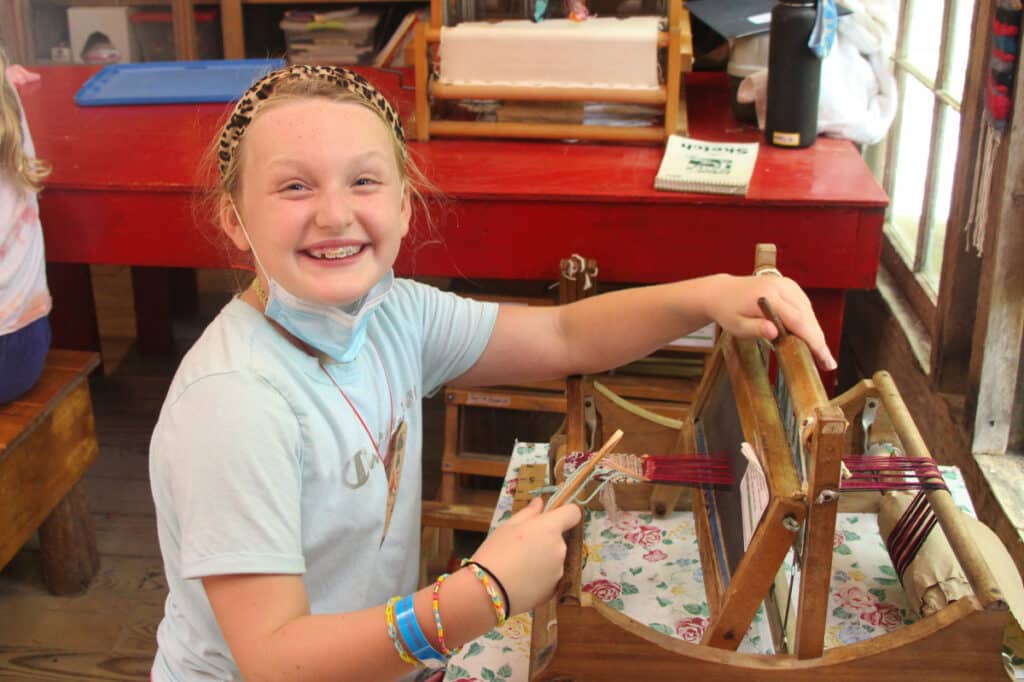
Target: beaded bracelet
{"points": [[412, 633], [481, 575], [494, 578], [389, 618], [437, 618]]}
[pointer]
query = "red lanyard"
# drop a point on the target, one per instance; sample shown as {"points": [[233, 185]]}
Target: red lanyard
{"points": [[391, 403]]}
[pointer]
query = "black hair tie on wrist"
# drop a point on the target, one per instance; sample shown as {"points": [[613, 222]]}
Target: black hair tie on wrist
{"points": [[504, 593]]}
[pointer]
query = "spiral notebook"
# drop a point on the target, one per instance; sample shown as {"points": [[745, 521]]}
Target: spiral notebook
{"points": [[691, 165]]}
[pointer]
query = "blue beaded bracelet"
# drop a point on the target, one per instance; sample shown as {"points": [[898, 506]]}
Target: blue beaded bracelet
{"points": [[412, 633]]}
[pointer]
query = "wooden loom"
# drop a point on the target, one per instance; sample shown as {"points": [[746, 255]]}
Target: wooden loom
{"points": [[800, 437], [676, 40]]}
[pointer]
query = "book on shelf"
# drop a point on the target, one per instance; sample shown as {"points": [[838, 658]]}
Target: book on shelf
{"points": [[692, 165], [343, 37], [339, 20]]}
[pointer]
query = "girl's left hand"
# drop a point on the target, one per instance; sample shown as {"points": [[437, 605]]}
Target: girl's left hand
{"points": [[733, 305]]}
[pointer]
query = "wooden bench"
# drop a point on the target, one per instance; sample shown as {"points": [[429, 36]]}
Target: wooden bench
{"points": [[47, 441]]}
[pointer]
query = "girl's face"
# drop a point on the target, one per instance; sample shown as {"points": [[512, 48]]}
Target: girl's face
{"points": [[322, 199]]}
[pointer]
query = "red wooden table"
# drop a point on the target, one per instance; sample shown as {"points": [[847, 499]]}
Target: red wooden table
{"points": [[125, 180]]}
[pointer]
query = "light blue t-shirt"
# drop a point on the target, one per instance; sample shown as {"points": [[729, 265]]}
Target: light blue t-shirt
{"points": [[259, 465]]}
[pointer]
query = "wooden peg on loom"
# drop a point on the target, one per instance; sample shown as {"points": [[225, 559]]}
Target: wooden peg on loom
{"points": [[773, 316], [582, 475]]}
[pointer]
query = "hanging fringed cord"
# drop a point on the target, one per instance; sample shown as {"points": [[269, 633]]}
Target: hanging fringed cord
{"points": [[999, 86], [977, 217], [882, 473]]}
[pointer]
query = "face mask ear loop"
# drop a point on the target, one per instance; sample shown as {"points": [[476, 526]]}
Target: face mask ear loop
{"points": [[248, 239]]}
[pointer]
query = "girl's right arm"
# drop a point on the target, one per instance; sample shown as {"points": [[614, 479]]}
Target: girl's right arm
{"points": [[266, 621]]}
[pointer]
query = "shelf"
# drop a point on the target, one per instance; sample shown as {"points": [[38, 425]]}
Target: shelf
{"points": [[232, 24], [122, 3], [327, 2]]}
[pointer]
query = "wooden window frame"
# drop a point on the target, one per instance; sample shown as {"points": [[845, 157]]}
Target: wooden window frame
{"points": [[975, 326], [910, 283]]}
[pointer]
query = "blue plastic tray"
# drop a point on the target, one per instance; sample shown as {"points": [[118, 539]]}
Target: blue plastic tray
{"points": [[173, 82]]}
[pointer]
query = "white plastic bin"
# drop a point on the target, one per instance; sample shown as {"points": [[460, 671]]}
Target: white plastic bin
{"points": [[92, 27]]}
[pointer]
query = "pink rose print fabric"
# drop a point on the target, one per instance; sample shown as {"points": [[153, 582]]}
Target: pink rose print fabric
{"points": [[650, 570]]}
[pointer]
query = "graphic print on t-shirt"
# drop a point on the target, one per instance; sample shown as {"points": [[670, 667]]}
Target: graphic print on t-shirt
{"points": [[393, 468]]}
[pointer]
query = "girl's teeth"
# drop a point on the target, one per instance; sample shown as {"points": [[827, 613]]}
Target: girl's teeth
{"points": [[340, 252]]}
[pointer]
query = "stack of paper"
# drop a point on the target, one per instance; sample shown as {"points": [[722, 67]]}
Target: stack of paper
{"points": [[340, 37], [691, 165]]}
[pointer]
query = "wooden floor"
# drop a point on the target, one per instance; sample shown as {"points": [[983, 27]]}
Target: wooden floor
{"points": [[108, 632]]}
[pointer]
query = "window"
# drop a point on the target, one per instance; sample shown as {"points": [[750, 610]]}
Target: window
{"points": [[930, 62], [954, 234]]}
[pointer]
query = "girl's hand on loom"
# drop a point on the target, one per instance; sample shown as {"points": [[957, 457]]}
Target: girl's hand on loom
{"points": [[733, 305], [527, 552]]}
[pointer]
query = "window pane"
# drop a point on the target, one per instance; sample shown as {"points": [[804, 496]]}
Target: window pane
{"points": [[960, 49], [911, 167], [924, 36], [944, 195]]}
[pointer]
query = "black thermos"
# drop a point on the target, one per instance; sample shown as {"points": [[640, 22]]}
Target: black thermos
{"points": [[794, 76]]}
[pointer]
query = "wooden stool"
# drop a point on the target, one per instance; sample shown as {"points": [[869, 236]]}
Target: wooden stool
{"points": [[47, 441]]}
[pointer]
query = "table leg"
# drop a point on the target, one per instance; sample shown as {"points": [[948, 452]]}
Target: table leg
{"points": [[184, 293], [151, 289], [67, 540], [73, 318]]}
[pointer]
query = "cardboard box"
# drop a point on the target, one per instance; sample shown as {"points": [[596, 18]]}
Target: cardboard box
{"points": [[101, 35]]}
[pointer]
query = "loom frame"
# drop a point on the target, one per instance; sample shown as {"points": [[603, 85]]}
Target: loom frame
{"points": [[676, 39], [578, 638]]}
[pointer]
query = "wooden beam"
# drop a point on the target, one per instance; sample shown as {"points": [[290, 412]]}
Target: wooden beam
{"points": [[12, 31], [184, 24], [24, 40], [1001, 327], [955, 313], [232, 29]]}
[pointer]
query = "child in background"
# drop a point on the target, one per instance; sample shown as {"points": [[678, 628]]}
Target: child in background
{"points": [[24, 297], [286, 464]]}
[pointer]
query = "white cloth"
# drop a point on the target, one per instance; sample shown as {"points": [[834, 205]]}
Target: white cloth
{"points": [[24, 297], [601, 52], [251, 464], [858, 95]]}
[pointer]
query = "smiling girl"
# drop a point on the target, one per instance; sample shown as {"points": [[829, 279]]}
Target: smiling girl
{"points": [[286, 463]]}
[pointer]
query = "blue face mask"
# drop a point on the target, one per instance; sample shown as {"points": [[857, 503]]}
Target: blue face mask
{"points": [[333, 330]]}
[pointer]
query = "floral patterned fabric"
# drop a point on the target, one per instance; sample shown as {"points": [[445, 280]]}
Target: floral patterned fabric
{"points": [[650, 570], [503, 654], [867, 598]]}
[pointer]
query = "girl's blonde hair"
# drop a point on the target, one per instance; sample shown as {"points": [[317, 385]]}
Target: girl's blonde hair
{"points": [[223, 159], [23, 170]]}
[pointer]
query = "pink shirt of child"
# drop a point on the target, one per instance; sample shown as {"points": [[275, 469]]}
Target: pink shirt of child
{"points": [[24, 297]]}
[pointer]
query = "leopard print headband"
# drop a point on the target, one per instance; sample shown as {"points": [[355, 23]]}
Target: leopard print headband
{"points": [[260, 91]]}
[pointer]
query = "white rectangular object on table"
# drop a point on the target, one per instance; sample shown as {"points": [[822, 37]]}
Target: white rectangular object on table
{"points": [[691, 165], [601, 52], [112, 22]]}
